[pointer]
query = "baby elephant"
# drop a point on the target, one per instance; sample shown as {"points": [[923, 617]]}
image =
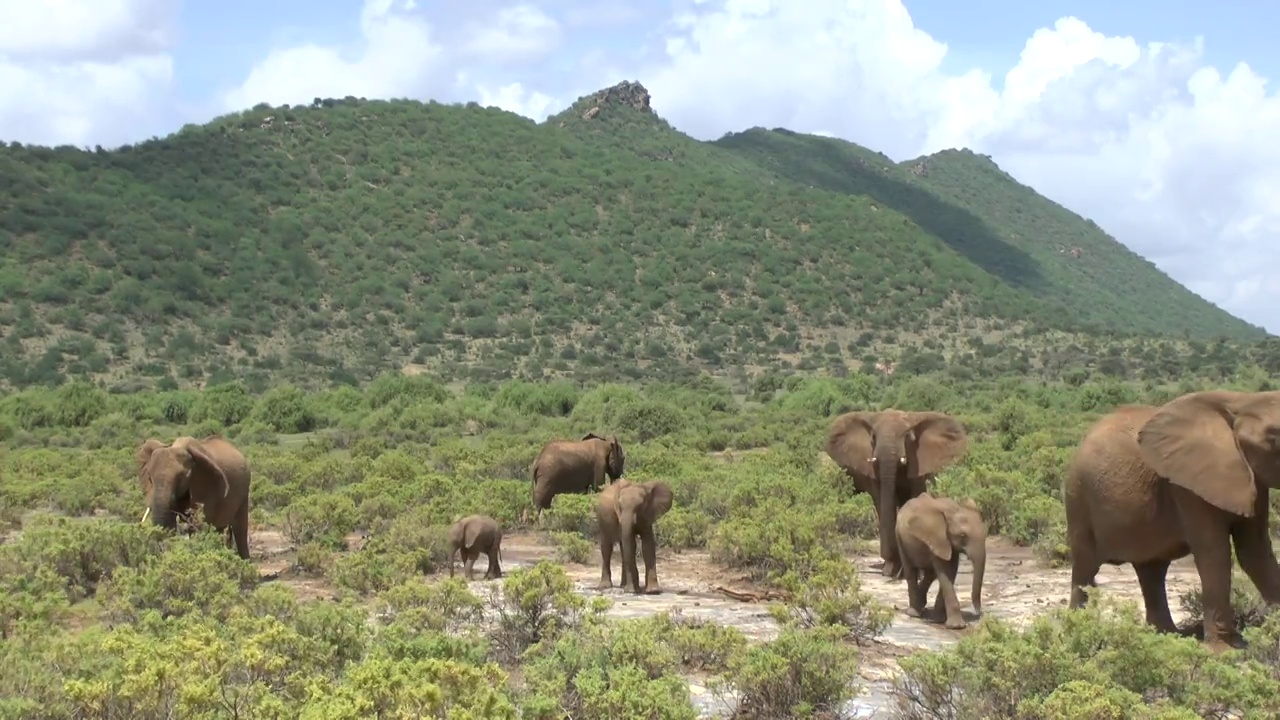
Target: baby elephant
{"points": [[932, 532], [472, 535], [626, 510]]}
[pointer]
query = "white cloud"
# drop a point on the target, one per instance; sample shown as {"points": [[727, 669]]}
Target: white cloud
{"points": [[404, 51], [1177, 161], [517, 34], [396, 58], [81, 71]]}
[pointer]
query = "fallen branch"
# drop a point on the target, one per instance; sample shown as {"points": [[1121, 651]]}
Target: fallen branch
{"points": [[751, 596]]}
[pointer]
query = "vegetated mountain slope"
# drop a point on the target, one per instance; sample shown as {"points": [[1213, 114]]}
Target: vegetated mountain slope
{"points": [[338, 240], [1019, 236]]}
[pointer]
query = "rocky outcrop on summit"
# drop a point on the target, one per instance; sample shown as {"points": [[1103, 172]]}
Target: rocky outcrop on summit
{"points": [[630, 94]]}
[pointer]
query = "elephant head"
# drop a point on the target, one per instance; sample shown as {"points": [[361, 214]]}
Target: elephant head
{"points": [[1218, 444], [880, 449], [646, 501], [615, 460], [966, 533], [170, 473]]}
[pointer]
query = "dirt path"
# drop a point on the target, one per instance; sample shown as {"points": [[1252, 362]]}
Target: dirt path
{"points": [[1017, 586]]}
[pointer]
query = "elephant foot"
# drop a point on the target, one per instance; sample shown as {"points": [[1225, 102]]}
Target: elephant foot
{"points": [[915, 612], [604, 585], [958, 624], [1225, 642], [652, 590]]}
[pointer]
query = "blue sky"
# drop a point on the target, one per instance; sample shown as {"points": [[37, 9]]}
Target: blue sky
{"points": [[1137, 115]]}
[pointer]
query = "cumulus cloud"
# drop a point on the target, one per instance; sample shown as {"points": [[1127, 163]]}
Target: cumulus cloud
{"points": [[407, 51], [1178, 161], [82, 71]]}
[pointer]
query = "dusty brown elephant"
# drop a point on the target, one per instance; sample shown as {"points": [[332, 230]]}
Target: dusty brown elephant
{"points": [[626, 510], [575, 466], [1148, 485], [932, 532], [472, 535], [210, 472], [893, 454]]}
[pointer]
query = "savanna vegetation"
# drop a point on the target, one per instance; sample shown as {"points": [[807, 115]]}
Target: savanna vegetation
{"points": [[101, 617], [331, 242]]}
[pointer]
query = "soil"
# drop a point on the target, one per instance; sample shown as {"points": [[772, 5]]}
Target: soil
{"points": [[1017, 587]]}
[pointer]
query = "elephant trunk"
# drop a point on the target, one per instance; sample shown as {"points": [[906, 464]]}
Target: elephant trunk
{"points": [[162, 512], [627, 540], [978, 556], [888, 471]]}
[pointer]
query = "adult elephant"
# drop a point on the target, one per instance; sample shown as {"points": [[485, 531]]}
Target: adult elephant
{"points": [[210, 472], [892, 454], [1148, 485], [575, 466]]}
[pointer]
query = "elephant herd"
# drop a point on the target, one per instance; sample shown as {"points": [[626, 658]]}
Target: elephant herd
{"points": [[211, 475], [1146, 485]]}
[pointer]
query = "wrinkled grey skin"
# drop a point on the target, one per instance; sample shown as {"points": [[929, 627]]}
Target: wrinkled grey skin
{"points": [[210, 472], [893, 454], [932, 533], [575, 466], [472, 535], [625, 511], [1149, 485]]}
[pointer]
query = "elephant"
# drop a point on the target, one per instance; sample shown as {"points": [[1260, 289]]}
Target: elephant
{"points": [[626, 510], [472, 535], [892, 455], [931, 533], [209, 472], [575, 466], [1149, 485]]}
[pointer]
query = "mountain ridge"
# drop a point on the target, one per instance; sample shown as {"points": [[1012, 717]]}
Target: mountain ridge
{"points": [[332, 242]]}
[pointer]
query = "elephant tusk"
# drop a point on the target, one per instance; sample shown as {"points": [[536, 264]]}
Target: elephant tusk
{"points": [[902, 460], [146, 514], [872, 460]]}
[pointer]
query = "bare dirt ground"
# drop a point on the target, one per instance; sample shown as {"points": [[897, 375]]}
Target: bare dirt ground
{"points": [[1017, 587]]}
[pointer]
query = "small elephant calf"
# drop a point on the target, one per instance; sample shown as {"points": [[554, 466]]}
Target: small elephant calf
{"points": [[625, 511], [931, 533], [472, 535]]}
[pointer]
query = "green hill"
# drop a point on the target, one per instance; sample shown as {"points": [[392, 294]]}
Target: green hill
{"points": [[338, 240]]}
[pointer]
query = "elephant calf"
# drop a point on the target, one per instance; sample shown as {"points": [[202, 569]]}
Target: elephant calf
{"points": [[931, 533], [627, 510], [472, 535]]}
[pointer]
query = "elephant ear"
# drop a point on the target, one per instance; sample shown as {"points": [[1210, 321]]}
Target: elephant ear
{"points": [[206, 463], [849, 442], [617, 458], [592, 436], [931, 529], [143, 456], [1192, 442], [939, 441]]}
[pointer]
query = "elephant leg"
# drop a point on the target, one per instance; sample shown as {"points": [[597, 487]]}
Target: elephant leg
{"points": [[471, 554], [494, 570], [1208, 534], [1084, 570], [606, 561], [915, 598], [927, 576], [452, 554], [1253, 550], [947, 601], [1151, 577], [240, 531], [649, 547]]}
